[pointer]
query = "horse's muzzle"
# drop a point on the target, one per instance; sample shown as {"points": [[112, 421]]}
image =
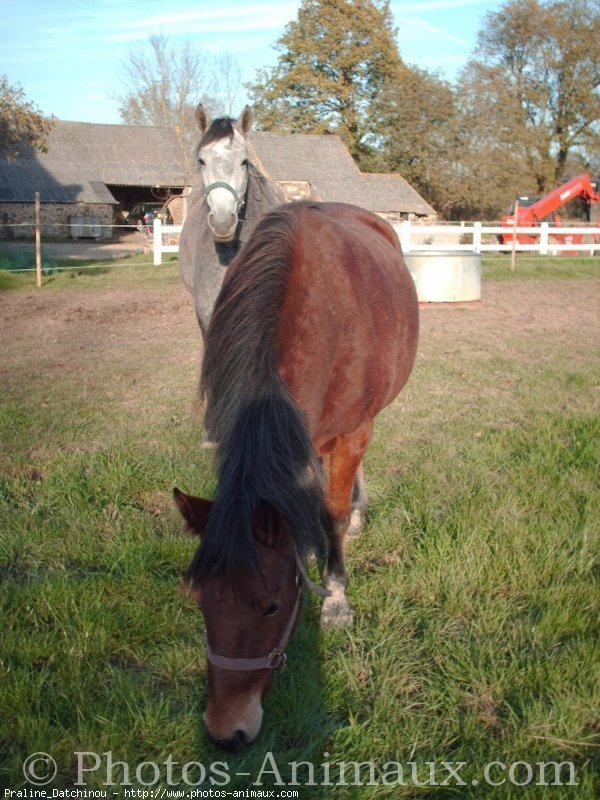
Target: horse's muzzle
{"points": [[223, 230], [238, 742], [235, 725]]}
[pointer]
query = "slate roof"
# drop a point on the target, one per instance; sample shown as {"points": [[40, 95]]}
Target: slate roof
{"points": [[332, 173], [83, 158]]}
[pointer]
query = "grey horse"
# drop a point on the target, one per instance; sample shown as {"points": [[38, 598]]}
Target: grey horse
{"points": [[223, 209]]}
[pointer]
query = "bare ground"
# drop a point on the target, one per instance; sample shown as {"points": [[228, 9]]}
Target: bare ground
{"points": [[38, 321], [109, 337]]}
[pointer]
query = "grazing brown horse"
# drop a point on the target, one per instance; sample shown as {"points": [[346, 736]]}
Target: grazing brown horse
{"points": [[314, 332]]}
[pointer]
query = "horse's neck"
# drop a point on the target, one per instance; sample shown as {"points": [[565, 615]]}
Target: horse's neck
{"points": [[262, 195]]}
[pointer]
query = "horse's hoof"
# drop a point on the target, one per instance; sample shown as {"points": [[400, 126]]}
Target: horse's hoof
{"points": [[207, 443], [357, 523], [336, 613]]}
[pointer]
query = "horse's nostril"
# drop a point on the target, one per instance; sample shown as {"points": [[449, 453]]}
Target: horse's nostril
{"points": [[242, 738], [238, 742]]}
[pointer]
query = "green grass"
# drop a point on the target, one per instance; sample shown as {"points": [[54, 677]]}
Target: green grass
{"points": [[474, 585], [69, 274], [130, 271], [529, 267], [20, 261]]}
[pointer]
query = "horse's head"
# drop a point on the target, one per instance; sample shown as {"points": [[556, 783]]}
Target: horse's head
{"points": [[223, 163], [250, 615]]}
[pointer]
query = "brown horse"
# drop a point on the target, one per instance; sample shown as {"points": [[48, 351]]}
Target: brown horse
{"points": [[314, 332]]}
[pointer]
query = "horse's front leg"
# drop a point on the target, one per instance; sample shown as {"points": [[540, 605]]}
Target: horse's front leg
{"points": [[359, 505], [336, 611], [343, 464]]}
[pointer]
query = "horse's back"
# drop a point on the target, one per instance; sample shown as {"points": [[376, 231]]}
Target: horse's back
{"points": [[349, 328]]}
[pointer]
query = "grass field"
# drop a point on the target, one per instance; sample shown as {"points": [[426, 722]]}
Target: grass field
{"points": [[474, 585]]}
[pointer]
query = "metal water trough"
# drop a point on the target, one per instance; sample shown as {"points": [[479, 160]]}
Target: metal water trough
{"points": [[445, 277]]}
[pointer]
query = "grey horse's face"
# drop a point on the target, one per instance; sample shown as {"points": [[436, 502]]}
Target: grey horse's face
{"points": [[223, 165]]}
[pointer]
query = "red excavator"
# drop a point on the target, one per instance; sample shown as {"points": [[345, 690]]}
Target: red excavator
{"points": [[534, 210]]}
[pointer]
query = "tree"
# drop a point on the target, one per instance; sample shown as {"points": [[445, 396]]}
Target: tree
{"points": [[335, 60], [227, 83], [534, 80], [21, 122], [165, 83], [419, 135]]}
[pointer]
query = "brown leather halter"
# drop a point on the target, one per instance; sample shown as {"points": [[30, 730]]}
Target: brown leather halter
{"points": [[277, 658]]}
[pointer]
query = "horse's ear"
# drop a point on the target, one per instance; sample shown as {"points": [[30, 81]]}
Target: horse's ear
{"points": [[194, 510], [245, 120], [202, 119]]}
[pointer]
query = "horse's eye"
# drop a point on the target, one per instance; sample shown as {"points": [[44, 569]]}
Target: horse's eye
{"points": [[201, 162], [245, 162], [272, 610]]}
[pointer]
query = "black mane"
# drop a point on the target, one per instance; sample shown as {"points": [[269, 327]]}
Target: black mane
{"points": [[264, 456]]}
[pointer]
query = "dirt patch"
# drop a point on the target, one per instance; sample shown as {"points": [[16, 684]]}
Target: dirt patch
{"points": [[509, 315], [64, 330], [87, 318]]}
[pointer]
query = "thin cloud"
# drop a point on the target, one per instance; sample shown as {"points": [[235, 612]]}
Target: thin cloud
{"points": [[412, 26], [434, 5], [264, 17]]}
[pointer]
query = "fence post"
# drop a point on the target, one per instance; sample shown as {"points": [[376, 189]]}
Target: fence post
{"points": [[405, 236], [477, 238], [38, 243], [157, 241], [544, 228], [513, 253]]}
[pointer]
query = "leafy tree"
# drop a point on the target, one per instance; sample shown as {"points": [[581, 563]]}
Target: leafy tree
{"points": [[419, 135], [479, 164], [21, 122], [524, 114], [534, 81], [164, 83], [335, 60]]}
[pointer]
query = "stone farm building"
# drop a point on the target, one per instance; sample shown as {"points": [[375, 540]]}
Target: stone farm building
{"points": [[96, 174], [90, 172]]}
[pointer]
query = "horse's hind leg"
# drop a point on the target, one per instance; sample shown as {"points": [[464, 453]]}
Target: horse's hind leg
{"points": [[343, 464]]}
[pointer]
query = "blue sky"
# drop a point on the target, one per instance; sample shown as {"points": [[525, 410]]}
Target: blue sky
{"points": [[68, 54]]}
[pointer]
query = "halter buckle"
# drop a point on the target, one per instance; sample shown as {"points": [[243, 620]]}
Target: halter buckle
{"points": [[277, 659]]}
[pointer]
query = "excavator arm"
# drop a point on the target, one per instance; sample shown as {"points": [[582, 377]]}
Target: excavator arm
{"points": [[532, 215], [580, 186]]}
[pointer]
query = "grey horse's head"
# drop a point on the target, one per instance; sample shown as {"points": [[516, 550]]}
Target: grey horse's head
{"points": [[223, 164]]}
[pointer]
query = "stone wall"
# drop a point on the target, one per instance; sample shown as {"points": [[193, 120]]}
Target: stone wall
{"points": [[17, 220], [297, 190]]}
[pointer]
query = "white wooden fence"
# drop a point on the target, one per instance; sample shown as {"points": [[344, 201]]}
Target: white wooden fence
{"points": [[159, 248], [422, 237], [468, 237]]}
